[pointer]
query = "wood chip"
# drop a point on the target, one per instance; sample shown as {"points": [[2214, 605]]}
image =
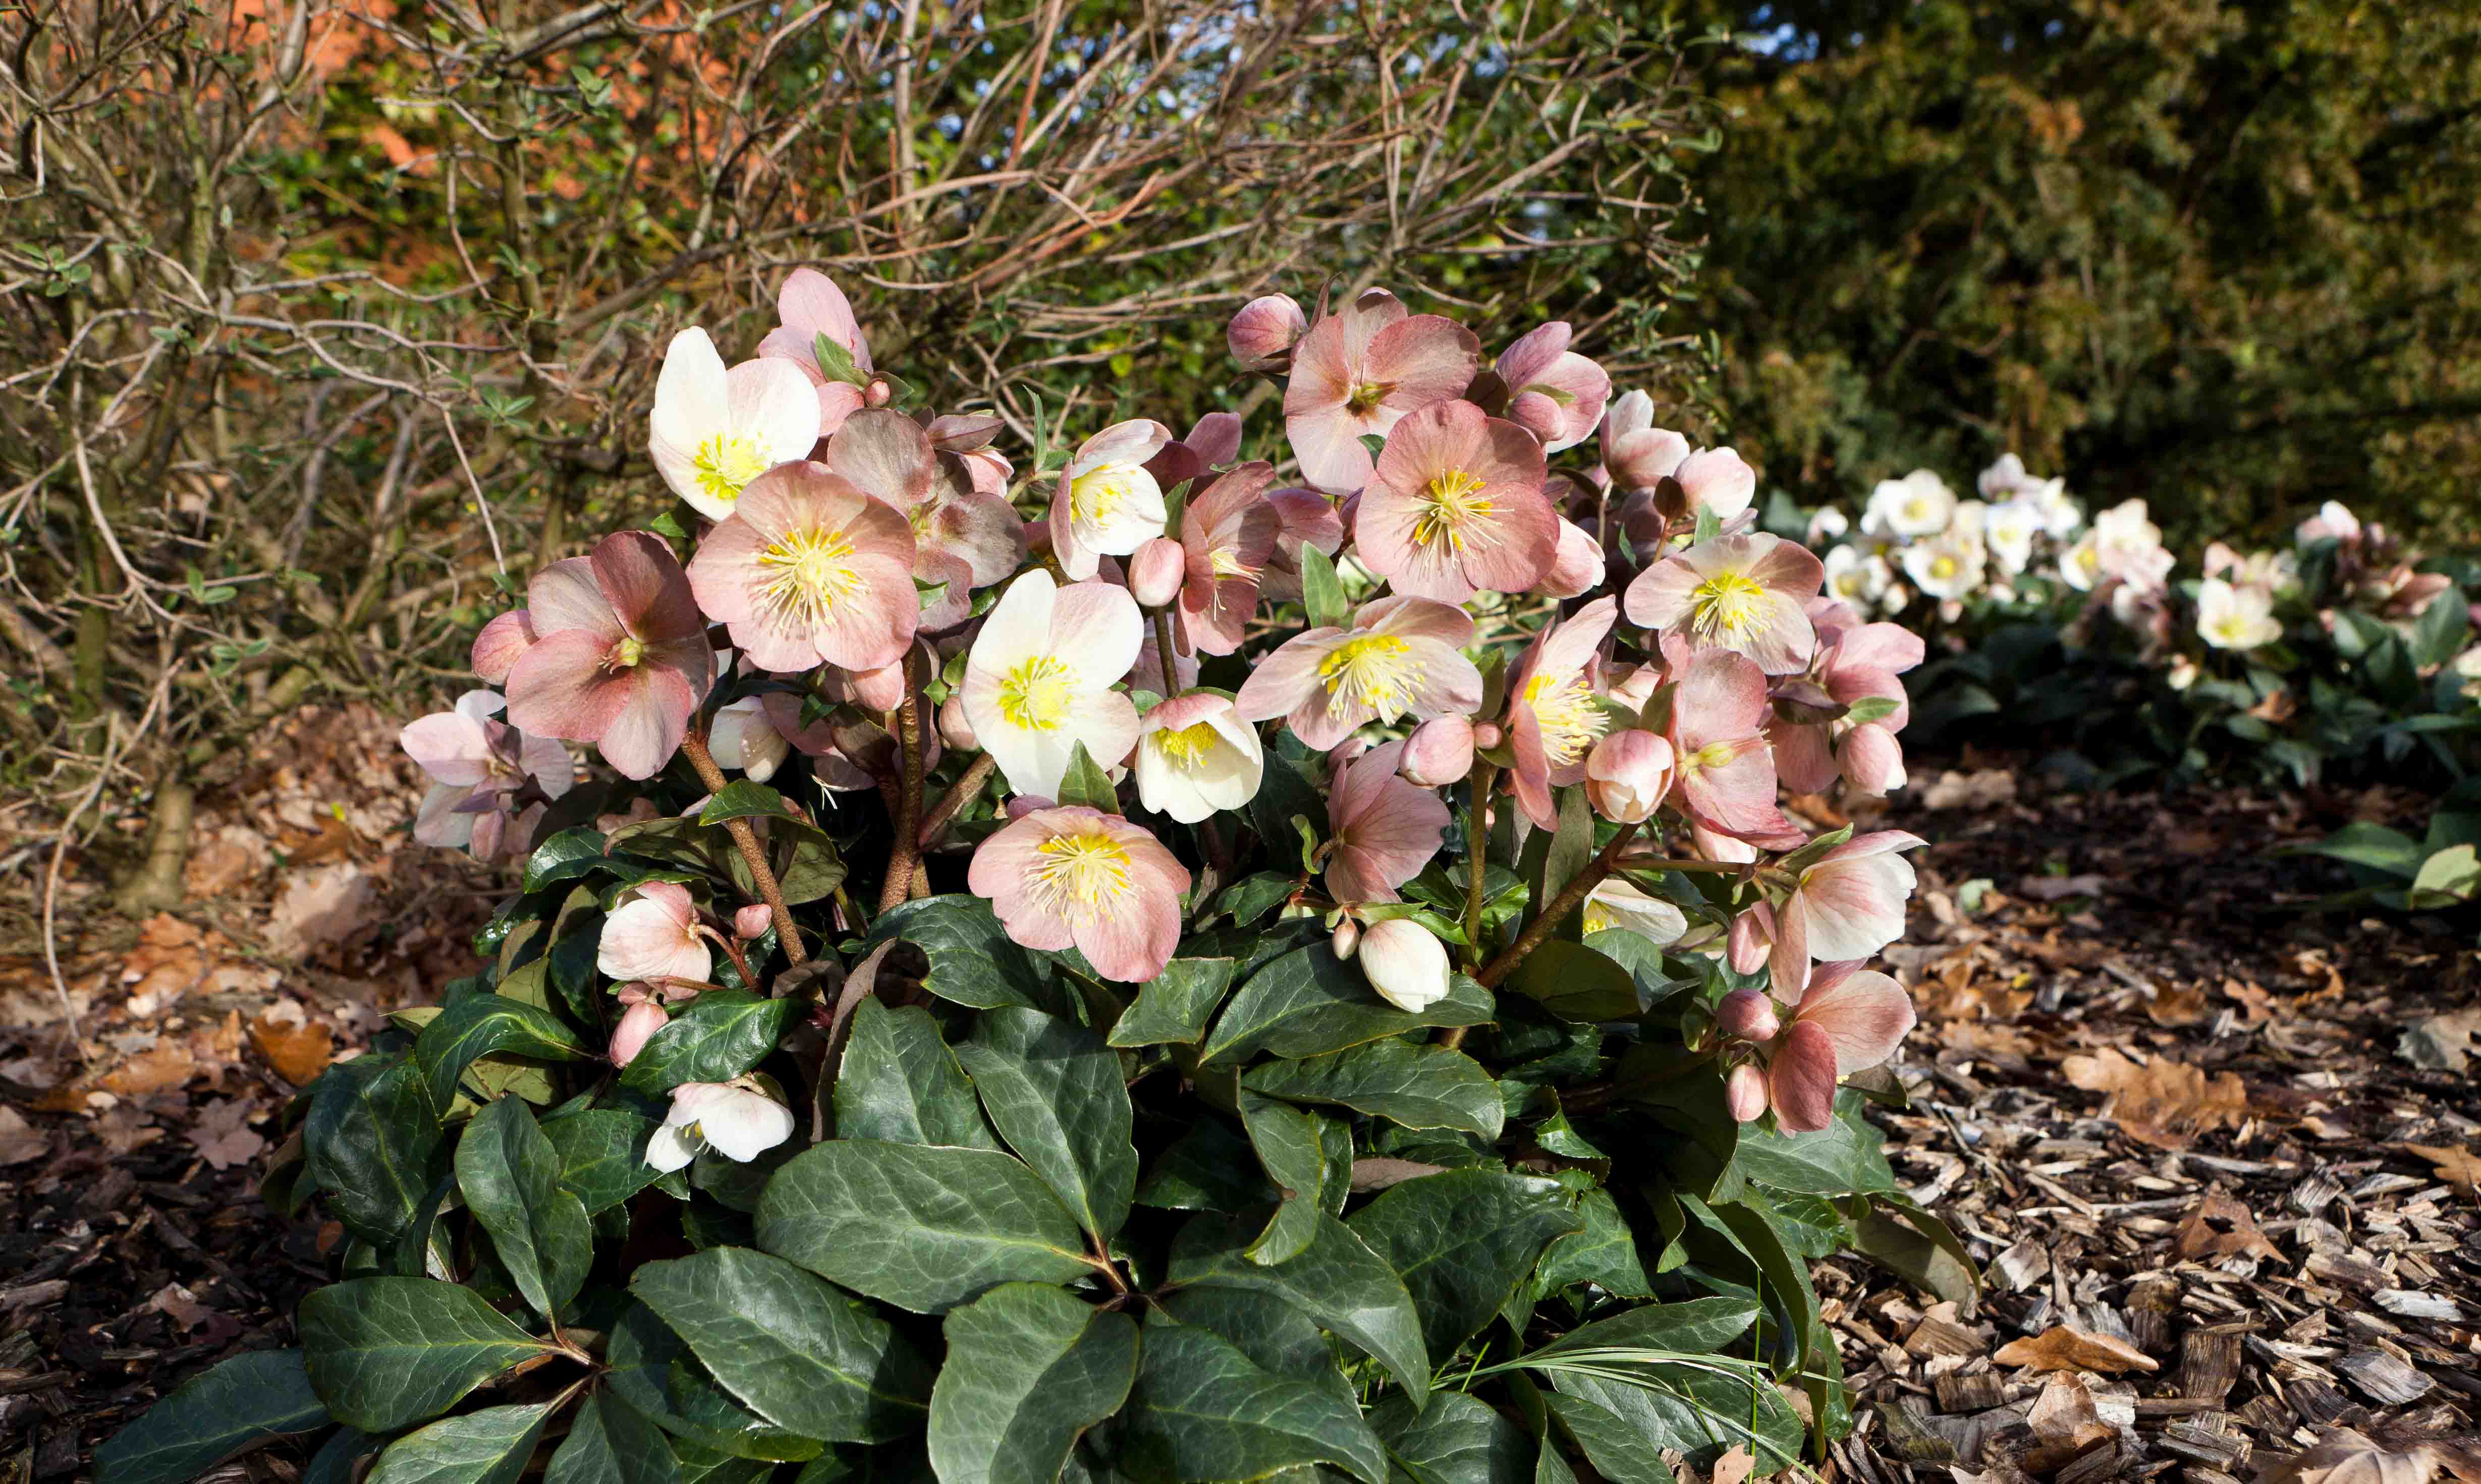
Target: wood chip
{"points": [[2384, 1378]]}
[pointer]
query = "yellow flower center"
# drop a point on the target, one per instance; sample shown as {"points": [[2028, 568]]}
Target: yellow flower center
{"points": [[1376, 671], [1451, 500], [625, 654], [1097, 495], [807, 575], [1079, 875], [1942, 567], [1916, 509], [1036, 694], [725, 462], [1600, 918], [1188, 746], [1365, 397], [1225, 561], [1569, 719], [1730, 602], [1712, 755]]}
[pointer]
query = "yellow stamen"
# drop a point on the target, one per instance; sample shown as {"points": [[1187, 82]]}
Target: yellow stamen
{"points": [[1598, 918], [725, 462], [1730, 602], [1079, 875], [1374, 672], [1096, 495], [1365, 397], [1450, 502], [1916, 509], [1188, 745], [1224, 561], [809, 573], [1942, 567], [1034, 695], [1569, 719]]}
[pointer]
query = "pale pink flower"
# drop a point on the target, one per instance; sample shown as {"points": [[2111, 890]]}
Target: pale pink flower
{"points": [[1578, 566], [807, 306], [1553, 391], [822, 740], [1406, 963], [1156, 572], [1398, 659], [1848, 1020], [654, 935], [1853, 662], [1870, 759], [1107, 504], [1080, 877], [735, 1119], [1456, 507], [1636, 454], [1227, 537], [1744, 593], [1744, 1093], [1439, 752], [1038, 679], [1848, 904], [969, 437], [623, 660], [1748, 1014], [744, 737], [1725, 771], [810, 571], [752, 921], [1359, 372], [1263, 333], [1195, 756], [1306, 518], [1212, 440], [487, 776], [502, 644], [713, 430], [1553, 717], [638, 1025], [1382, 830], [1628, 775]]}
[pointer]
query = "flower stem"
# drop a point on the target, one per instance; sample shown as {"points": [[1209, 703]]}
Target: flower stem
{"points": [[1164, 649], [1574, 892], [898, 886], [752, 853], [965, 791], [1485, 774]]}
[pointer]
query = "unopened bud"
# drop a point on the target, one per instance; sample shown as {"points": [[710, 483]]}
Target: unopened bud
{"points": [[637, 1026], [1752, 939], [1871, 759], [1536, 413], [1487, 735], [752, 921], [1346, 940], [877, 393], [1156, 571], [1748, 1014], [1627, 775], [1263, 334], [1406, 963], [879, 690], [953, 728], [1439, 752], [1744, 1094]]}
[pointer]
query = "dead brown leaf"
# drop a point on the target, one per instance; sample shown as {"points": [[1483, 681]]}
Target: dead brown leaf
{"points": [[2441, 1043], [2257, 1007], [157, 1068], [2064, 1347], [2179, 1004], [1734, 1465], [2455, 1164], [224, 1135], [2221, 1227], [19, 1140], [299, 1050], [2345, 1455], [2065, 1424], [2162, 1103]]}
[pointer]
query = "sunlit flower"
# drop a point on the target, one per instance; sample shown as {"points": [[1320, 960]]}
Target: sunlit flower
{"points": [[1195, 756], [1456, 507], [502, 644], [1629, 774], [1406, 963], [1827, 522], [1227, 537], [969, 438], [1849, 1019], [1107, 504], [809, 570], [1949, 566], [1553, 717], [2009, 530], [2333, 522], [743, 738], [808, 306], [623, 660], [638, 1025], [1578, 564], [1080, 877], [1263, 333], [1305, 518], [2230, 618], [1439, 752], [714, 430], [734, 1119], [1855, 576], [1553, 391], [1640, 456], [1725, 771], [1382, 829], [1038, 680], [1918, 504], [654, 935], [1744, 593], [489, 780], [1359, 372], [1398, 659], [1848, 903], [1617, 904]]}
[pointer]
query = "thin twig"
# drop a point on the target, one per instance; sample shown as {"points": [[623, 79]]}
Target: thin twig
{"points": [[1543, 925], [754, 854]]}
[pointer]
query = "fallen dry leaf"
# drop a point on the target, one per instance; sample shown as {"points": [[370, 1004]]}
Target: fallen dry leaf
{"points": [[19, 1140], [2347, 1456], [224, 1135], [2059, 888], [2257, 1007], [1735, 1465], [2064, 1347], [2162, 1103], [157, 1068], [2065, 1424], [2455, 1164], [2442, 1043], [1979, 789], [2179, 1005], [299, 1050], [2221, 1227]]}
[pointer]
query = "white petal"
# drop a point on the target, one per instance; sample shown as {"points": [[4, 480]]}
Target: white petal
{"points": [[774, 406], [669, 1148], [690, 401], [746, 1125]]}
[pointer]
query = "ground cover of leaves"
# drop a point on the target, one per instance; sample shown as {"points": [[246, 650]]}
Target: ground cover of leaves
{"points": [[2213, 1149]]}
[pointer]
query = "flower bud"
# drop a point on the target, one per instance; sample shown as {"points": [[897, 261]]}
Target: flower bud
{"points": [[1578, 567], [1871, 759], [1749, 1015], [1627, 775], [1156, 571], [752, 921], [1263, 334], [881, 688], [1536, 413], [636, 1024], [1439, 752], [878, 393], [1346, 940], [1406, 963], [1744, 1094], [955, 729], [1487, 735], [1752, 939]]}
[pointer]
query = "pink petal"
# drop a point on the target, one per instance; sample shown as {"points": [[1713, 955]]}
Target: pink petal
{"points": [[565, 596], [1215, 440], [448, 746], [501, 643], [809, 301], [645, 584], [883, 454], [561, 687], [1865, 1016], [1285, 678], [1800, 1080]]}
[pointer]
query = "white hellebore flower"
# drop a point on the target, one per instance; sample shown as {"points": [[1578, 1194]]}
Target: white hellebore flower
{"points": [[1617, 904], [1109, 504], [1855, 577], [734, 1119], [714, 430], [1195, 756], [1918, 504], [1946, 568], [1405, 962], [654, 935], [1038, 679], [744, 738], [2230, 618], [2009, 530]]}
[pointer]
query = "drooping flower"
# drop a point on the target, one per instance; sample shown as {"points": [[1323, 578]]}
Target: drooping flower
{"points": [[489, 780], [1227, 537], [654, 935], [1038, 680], [1552, 716], [1615, 903], [970, 439], [1918, 504], [638, 1025], [1398, 659], [735, 1119], [714, 430], [1080, 877], [1195, 756], [1628, 775], [1553, 391], [1577, 565], [1848, 904], [1307, 518], [1360, 371], [1406, 963], [1636, 454], [808, 306], [500, 644], [1726, 770], [1744, 593], [1107, 504], [743, 738], [1263, 333], [1456, 507], [1382, 829], [1849, 1019], [623, 660], [810, 571], [2237, 618]]}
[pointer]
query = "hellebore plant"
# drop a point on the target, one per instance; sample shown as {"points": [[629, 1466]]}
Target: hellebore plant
{"points": [[1170, 999]]}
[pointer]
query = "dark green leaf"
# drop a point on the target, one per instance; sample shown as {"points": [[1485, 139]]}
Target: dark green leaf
{"points": [[1338, 1281], [1029, 1368], [565, 856], [1054, 1091], [923, 1229], [1289, 1150], [1845, 1158], [742, 800], [1309, 1002], [1418, 1086], [1461, 1240], [1603, 1254], [972, 961], [609, 1444], [796, 1351], [1202, 1409], [1279, 1337], [1085, 784], [1697, 1326], [384, 1353], [489, 1446], [899, 1083], [509, 1174], [1208, 1168], [1253, 897], [1925, 1253], [811, 870], [372, 1140], [1455, 1440], [602, 1155], [1576, 982], [1699, 1412], [1175, 1006], [240, 1403], [481, 1025], [1619, 1452], [654, 1376], [1323, 591], [2364, 843], [723, 1034], [1785, 1275]]}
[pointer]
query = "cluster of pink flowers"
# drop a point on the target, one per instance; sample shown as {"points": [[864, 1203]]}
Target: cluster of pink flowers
{"points": [[849, 561]]}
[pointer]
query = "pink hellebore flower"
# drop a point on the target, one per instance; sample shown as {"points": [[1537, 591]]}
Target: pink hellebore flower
{"points": [[500, 644], [1578, 566], [713, 430], [623, 660], [1107, 504], [1848, 1020], [809, 306], [638, 1025], [970, 439], [964, 537], [1456, 507], [1439, 752], [1553, 391], [1848, 905], [654, 935], [1628, 775], [1725, 771], [1263, 333], [1360, 371], [1307, 518], [1552, 716], [1078, 876], [480, 769], [1226, 537], [1406, 963], [810, 571], [1399, 658], [1640, 456], [1744, 593], [1384, 830], [1853, 662]]}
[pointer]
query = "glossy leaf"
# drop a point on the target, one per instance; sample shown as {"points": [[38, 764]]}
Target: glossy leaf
{"points": [[387, 1352], [1202, 1409], [489, 1446], [1455, 1440], [1055, 1093], [1696, 1326], [602, 1155], [1576, 982], [610, 1443], [1291, 1152], [744, 799], [654, 1375], [1461, 1240], [1029, 1368], [1175, 1006], [1337, 1280], [1309, 1002], [723, 1034], [236, 1405], [1418, 1086], [372, 1140], [483, 1024], [1605, 1253], [972, 960], [899, 1083], [509, 1174]]}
